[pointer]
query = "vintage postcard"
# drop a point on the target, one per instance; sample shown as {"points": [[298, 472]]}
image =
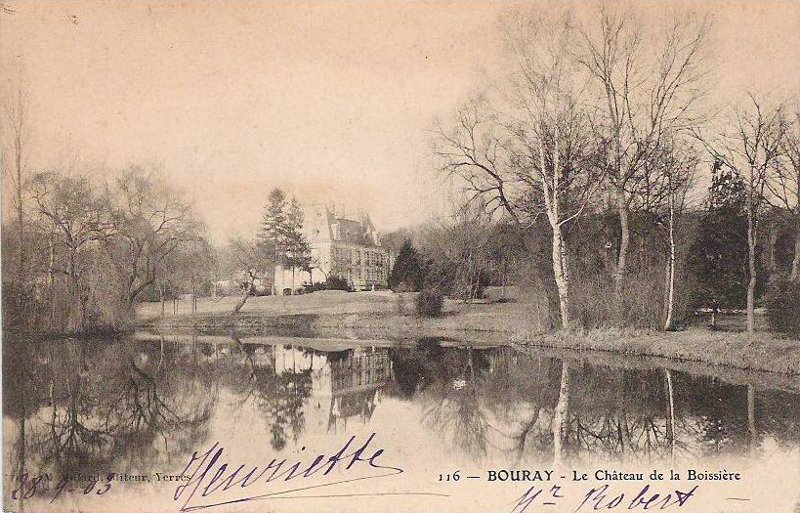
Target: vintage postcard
{"points": [[400, 256]]}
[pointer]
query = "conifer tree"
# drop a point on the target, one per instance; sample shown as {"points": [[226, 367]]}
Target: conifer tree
{"points": [[272, 236], [408, 272]]}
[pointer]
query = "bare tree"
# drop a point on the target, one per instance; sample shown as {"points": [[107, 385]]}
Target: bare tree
{"points": [[642, 97], [551, 154], [669, 176], [751, 148], [532, 156], [153, 221], [251, 260], [459, 251], [194, 265], [536, 156], [472, 149], [83, 219], [15, 147], [783, 184]]}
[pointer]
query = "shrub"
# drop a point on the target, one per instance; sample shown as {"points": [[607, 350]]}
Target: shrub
{"points": [[332, 283], [336, 283], [783, 305], [429, 303]]}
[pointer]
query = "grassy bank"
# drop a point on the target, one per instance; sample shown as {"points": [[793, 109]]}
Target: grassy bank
{"points": [[762, 352], [334, 313], [384, 315], [496, 322]]}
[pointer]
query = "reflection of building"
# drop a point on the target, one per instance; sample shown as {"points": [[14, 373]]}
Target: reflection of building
{"points": [[343, 383], [347, 247], [356, 380]]}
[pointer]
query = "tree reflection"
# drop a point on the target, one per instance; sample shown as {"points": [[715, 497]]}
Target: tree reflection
{"points": [[751, 417], [715, 415], [561, 420], [98, 402], [670, 405], [279, 397], [24, 390], [454, 408], [567, 411], [161, 394], [521, 392], [624, 417], [83, 405]]}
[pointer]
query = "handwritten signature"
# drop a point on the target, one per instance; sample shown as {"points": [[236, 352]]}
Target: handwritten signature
{"points": [[603, 497], [210, 476]]}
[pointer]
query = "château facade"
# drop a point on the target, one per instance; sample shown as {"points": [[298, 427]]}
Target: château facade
{"points": [[347, 247]]}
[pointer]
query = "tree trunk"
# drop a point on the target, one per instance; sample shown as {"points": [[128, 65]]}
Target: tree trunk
{"points": [[22, 456], [51, 280], [665, 306], [795, 275], [82, 323], [552, 202], [76, 325], [561, 274], [772, 239], [248, 289], [751, 416], [622, 257], [20, 214], [671, 267], [751, 262], [194, 295]]}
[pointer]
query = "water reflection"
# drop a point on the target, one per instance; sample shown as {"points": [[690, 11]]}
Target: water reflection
{"points": [[135, 405]]}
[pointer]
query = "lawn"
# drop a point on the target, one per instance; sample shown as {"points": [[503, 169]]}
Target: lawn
{"points": [[321, 302], [381, 311], [501, 316], [385, 315]]}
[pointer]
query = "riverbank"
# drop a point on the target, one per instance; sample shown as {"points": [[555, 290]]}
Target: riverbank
{"points": [[762, 352], [386, 316], [355, 315]]}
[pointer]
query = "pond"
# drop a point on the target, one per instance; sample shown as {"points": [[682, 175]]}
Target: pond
{"points": [[140, 407]]}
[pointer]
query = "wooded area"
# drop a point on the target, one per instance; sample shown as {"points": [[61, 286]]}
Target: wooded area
{"points": [[604, 128]]}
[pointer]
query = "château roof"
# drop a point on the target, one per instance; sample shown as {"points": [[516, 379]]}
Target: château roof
{"points": [[324, 223]]}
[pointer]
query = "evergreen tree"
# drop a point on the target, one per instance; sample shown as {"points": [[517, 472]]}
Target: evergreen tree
{"points": [[408, 272], [274, 225], [272, 235], [719, 254], [298, 250]]}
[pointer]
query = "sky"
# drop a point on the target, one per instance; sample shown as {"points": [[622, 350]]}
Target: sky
{"points": [[332, 102]]}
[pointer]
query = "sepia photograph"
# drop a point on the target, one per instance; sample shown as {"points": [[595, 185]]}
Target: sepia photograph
{"points": [[476, 256]]}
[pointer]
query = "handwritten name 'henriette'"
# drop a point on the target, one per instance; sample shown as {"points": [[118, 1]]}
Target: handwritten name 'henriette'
{"points": [[210, 476]]}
